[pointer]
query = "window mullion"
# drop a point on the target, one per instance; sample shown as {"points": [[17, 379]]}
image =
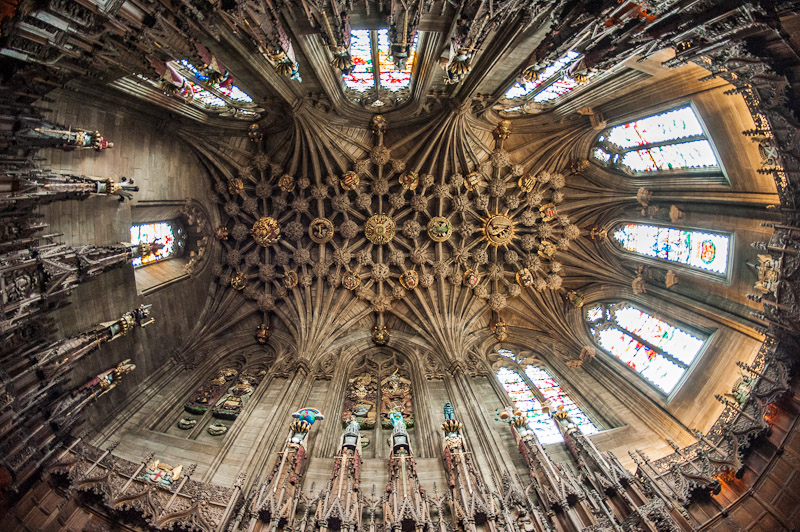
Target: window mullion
{"points": [[376, 70], [668, 142], [651, 346]]}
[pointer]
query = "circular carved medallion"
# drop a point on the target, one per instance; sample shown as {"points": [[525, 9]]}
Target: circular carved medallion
{"points": [[409, 180], [266, 231], [379, 229], [320, 230], [351, 280], [290, 279], [286, 183], [439, 228], [498, 230]]}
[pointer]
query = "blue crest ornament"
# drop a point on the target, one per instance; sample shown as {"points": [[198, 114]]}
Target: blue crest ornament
{"points": [[309, 415]]}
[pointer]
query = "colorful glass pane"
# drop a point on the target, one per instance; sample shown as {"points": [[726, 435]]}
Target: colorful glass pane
{"points": [[361, 79], [660, 352], [233, 92], [672, 125], [594, 314], [695, 154], [659, 333], [521, 89], [155, 241], [600, 155], [204, 96], [699, 249], [525, 401], [673, 140], [556, 396], [391, 77]]}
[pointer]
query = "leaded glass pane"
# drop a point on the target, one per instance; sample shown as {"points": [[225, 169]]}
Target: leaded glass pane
{"points": [[699, 249], [155, 241], [659, 351], [525, 401], [556, 396], [659, 333], [600, 155], [695, 154], [594, 314], [506, 353], [361, 79], [672, 125], [391, 77]]}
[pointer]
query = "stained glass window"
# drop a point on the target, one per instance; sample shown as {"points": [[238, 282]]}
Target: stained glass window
{"points": [[391, 77], [698, 249], [156, 242], [227, 89], [659, 351], [520, 89], [526, 402], [673, 140], [361, 79]]}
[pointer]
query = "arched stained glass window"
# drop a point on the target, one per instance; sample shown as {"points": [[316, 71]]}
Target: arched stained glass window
{"points": [[526, 402], [656, 349], [553, 83], [545, 79], [674, 140], [182, 80], [156, 242], [698, 249], [389, 77]]}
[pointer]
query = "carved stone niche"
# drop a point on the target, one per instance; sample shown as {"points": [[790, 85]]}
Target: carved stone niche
{"points": [[378, 385]]}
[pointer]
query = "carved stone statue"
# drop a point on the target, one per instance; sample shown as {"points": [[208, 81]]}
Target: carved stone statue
{"points": [[361, 401], [396, 398]]}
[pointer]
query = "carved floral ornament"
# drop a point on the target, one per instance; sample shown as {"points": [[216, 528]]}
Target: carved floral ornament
{"points": [[381, 230]]}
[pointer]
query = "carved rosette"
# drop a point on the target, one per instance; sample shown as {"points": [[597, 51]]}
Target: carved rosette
{"points": [[379, 229]]}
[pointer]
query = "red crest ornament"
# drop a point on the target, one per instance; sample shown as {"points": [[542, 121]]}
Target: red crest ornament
{"points": [[471, 278], [409, 180], [548, 212], [349, 180], [409, 279]]}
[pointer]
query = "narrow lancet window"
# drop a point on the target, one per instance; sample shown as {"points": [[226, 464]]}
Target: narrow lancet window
{"points": [[674, 140], [391, 77], [540, 419], [698, 249], [658, 350], [362, 78]]}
